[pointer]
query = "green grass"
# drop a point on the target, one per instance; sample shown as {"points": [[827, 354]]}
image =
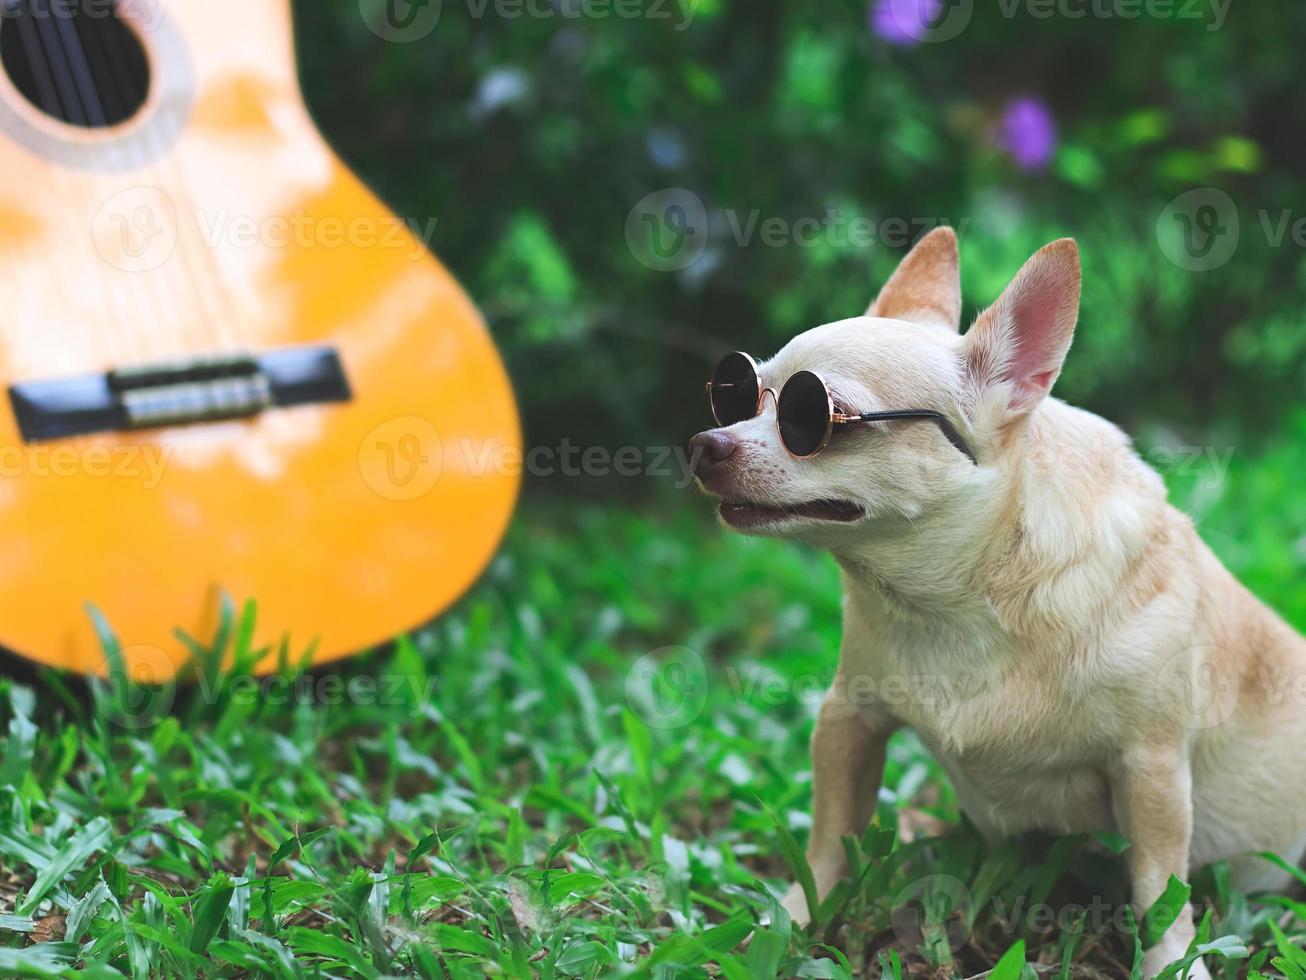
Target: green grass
{"points": [[582, 771]]}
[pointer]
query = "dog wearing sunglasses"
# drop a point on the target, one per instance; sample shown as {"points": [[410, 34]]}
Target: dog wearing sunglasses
{"points": [[1017, 590]]}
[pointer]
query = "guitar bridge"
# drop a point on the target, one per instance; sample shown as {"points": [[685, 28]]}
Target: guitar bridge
{"points": [[208, 388]]}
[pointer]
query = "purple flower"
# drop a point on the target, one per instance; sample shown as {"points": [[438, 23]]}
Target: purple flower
{"points": [[1028, 132], [903, 22]]}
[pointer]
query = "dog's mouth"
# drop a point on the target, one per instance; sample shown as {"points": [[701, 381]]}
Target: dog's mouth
{"points": [[742, 513]]}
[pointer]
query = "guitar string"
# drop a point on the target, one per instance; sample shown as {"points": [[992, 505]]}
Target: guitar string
{"points": [[205, 300], [48, 96], [206, 306], [143, 298], [56, 98], [206, 313], [137, 306], [225, 311], [125, 94], [239, 331]]}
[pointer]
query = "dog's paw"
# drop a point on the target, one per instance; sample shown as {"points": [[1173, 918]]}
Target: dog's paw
{"points": [[795, 903]]}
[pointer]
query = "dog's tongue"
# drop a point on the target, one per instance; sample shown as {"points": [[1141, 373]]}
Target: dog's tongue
{"points": [[738, 514]]}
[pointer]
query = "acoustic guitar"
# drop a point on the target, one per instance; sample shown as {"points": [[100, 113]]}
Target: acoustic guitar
{"points": [[230, 370]]}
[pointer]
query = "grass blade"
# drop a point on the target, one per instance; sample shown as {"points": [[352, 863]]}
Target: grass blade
{"points": [[1164, 912], [211, 910], [95, 836], [41, 960], [1012, 963], [797, 861]]}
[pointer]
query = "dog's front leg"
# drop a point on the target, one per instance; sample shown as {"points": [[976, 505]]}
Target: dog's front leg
{"points": [[848, 748], [1152, 793]]}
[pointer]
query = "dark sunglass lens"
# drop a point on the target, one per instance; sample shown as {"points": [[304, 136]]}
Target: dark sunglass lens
{"points": [[734, 390], [804, 413]]}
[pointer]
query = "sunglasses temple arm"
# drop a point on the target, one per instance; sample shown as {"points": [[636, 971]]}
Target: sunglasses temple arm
{"points": [[946, 427]]}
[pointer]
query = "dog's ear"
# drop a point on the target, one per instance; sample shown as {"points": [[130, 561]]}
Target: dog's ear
{"points": [[1021, 340], [926, 287]]}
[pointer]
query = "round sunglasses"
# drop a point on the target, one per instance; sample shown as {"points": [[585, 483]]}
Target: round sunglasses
{"points": [[804, 408]]}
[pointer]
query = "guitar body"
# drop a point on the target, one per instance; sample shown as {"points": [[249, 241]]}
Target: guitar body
{"points": [[214, 222]]}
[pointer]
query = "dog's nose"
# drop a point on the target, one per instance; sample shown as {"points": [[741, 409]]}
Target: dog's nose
{"points": [[709, 450]]}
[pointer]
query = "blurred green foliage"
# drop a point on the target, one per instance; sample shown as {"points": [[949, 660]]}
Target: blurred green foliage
{"points": [[531, 137]]}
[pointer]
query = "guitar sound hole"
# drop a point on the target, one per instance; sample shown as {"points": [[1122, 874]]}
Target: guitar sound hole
{"points": [[75, 60]]}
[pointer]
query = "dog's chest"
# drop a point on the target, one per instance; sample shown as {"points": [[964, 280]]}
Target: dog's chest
{"points": [[1022, 752]]}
